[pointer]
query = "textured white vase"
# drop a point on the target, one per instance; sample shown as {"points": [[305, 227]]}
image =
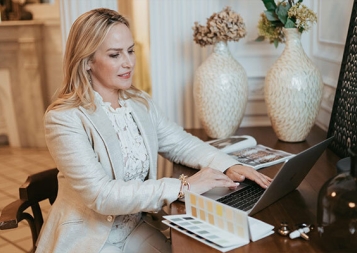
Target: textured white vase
{"points": [[220, 92], [293, 91]]}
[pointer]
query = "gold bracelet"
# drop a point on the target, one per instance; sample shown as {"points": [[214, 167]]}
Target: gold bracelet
{"points": [[184, 183]]}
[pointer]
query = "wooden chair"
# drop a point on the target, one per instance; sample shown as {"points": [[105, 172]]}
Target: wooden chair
{"points": [[44, 186], [38, 187]]}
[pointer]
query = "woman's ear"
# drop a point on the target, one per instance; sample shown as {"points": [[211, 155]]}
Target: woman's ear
{"points": [[88, 64]]}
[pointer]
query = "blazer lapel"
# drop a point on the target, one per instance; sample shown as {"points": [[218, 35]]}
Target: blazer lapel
{"points": [[104, 127]]}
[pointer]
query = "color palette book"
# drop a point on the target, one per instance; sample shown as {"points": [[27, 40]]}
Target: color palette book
{"points": [[217, 225]]}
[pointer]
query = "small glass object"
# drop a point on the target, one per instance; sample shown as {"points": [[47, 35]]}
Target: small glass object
{"points": [[337, 210]]}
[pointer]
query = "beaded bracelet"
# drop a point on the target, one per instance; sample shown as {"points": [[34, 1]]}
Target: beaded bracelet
{"points": [[184, 183]]}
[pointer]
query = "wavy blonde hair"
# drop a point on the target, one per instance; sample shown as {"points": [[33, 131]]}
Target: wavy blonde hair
{"points": [[86, 35]]}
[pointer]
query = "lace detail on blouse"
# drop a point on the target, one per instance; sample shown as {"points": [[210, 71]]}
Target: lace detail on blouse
{"points": [[136, 162]]}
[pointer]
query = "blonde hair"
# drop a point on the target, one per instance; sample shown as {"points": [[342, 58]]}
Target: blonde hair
{"points": [[86, 35]]}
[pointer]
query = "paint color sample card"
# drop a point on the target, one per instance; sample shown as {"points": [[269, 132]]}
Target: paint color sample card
{"points": [[259, 229], [217, 225], [204, 232]]}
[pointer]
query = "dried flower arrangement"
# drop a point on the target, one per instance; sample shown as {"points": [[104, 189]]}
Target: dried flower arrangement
{"points": [[223, 26], [285, 14]]}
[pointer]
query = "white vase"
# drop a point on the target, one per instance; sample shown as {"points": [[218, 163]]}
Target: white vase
{"points": [[220, 92], [293, 91]]}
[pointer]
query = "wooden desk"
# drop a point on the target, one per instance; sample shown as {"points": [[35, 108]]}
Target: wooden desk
{"points": [[299, 206]]}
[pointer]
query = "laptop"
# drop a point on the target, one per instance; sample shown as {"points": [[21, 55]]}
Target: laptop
{"points": [[288, 178]]}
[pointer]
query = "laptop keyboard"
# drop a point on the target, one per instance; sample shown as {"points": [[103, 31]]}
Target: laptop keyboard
{"points": [[243, 199]]}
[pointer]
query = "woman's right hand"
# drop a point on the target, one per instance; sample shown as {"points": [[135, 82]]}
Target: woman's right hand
{"points": [[207, 179]]}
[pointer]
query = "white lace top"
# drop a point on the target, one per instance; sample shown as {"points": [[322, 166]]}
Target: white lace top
{"points": [[136, 163]]}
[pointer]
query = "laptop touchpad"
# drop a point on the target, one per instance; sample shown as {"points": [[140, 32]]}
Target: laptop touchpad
{"points": [[219, 192]]}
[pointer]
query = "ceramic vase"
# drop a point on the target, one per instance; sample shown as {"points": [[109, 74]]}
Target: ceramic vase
{"points": [[293, 91], [220, 92]]}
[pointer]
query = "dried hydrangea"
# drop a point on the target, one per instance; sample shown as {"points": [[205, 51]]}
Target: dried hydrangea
{"points": [[283, 14], [223, 26]]}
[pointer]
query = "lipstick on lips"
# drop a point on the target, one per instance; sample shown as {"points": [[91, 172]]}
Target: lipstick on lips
{"points": [[126, 75]]}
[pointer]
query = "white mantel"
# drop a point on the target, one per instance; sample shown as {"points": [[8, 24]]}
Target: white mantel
{"points": [[21, 60]]}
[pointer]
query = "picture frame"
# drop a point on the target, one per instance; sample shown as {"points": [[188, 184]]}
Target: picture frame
{"points": [[343, 122]]}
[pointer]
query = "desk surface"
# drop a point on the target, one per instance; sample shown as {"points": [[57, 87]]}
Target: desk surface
{"points": [[299, 206]]}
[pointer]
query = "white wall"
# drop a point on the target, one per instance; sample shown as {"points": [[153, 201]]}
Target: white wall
{"points": [[327, 47]]}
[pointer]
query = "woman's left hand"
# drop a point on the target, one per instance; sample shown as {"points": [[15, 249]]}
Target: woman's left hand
{"points": [[241, 172]]}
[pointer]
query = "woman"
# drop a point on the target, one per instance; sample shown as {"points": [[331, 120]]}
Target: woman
{"points": [[104, 135]]}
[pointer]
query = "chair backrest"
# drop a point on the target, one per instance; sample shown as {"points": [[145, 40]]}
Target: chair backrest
{"points": [[40, 186], [37, 187]]}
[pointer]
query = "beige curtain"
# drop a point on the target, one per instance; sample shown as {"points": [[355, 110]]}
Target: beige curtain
{"points": [[164, 167]]}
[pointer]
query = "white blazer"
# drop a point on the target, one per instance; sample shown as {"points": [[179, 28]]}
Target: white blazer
{"points": [[91, 189]]}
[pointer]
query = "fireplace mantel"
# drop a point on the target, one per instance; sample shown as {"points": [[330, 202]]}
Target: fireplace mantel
{"points": [[21, 56]]}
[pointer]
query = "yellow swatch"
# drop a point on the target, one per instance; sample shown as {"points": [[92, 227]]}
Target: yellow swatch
{"points": [[193, 199], [219, 210]]}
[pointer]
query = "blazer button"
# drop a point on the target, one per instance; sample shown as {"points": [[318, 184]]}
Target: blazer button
{"points": [[110, 218]]}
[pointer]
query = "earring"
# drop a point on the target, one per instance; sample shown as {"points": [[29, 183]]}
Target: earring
{"points": [[90, 78]]}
